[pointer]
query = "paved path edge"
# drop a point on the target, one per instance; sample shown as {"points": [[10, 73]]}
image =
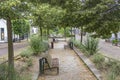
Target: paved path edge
{"points": [[36, 76], [89, 64]]}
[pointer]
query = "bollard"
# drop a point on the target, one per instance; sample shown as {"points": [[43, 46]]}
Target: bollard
{"points": [[53, 39], [52, 45], [41, 66], [71, 45]]}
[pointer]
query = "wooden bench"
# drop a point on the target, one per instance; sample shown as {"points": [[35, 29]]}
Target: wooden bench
{"points": [[55, 64], [66, 46], [51, 62]]}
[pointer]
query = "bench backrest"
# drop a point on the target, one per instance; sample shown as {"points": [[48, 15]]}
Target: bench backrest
{"points": [[48, 57]]}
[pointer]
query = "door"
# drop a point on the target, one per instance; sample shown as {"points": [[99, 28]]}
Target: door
{"points": [[2, 33]]}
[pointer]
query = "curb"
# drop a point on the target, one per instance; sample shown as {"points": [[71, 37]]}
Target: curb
{"points": [[36, 76], [89, 64]]}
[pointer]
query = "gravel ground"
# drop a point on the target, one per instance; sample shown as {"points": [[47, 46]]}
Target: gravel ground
{"points": [[70, 66]]}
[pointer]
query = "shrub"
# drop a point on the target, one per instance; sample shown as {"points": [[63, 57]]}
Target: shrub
{"points": [[114, 71], [115, 41], [98, 59], [4, 74], [45, 46], [26, 53], [78, 45], [37, 45], [91, 45]]}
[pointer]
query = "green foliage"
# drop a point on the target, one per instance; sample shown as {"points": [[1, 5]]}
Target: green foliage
{"points": [[91, 45], [114, 71], [13, 8], [20, 26], [47, 16], [26, 53], [102, 17], [98, 59], [67, 32], [29, 62], [79, 45], [4, 74], [115, 41], [37, 45]]}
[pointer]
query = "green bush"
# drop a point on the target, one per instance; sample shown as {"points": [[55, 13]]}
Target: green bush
{"points": [[26, 53], [45, 46], [78, 45], [91, 45], [3, 72], [114, 71], [115, 41], [98, 59], [37, 45]]}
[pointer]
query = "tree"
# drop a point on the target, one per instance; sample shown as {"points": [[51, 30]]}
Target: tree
{"points": [[20, 27], [47, 17], [102, 17], [10, 10]]}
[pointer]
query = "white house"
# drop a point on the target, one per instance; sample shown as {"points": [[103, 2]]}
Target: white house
{"points": [[3, 30]]}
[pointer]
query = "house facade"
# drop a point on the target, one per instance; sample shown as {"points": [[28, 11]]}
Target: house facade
{"points": [[3, 30]]}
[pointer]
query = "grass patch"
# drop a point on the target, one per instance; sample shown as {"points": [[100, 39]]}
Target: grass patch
{"points": [[98, 59], [26, 53]]}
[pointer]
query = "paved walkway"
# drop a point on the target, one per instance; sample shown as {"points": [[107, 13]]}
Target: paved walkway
{"points": [[71, 67], [107, 49]]}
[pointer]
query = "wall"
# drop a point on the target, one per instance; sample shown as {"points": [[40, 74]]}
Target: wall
{"points": [[4, 26]]}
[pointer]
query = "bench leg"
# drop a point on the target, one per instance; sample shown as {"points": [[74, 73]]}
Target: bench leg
{"points": [[57, 70]]}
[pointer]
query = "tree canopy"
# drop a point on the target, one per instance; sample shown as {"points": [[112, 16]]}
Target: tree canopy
{"points": [[100, 17]]}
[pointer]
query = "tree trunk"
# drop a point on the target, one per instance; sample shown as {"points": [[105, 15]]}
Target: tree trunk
{"points": [[65, 33], [19, 38], [27, 36], [10, 51], [48, 33], [116, 43], [74, 32], [71, 30], [41, 33], [81, 39]]}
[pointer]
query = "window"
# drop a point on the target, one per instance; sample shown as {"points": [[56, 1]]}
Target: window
{"points": [[2, 33]]}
